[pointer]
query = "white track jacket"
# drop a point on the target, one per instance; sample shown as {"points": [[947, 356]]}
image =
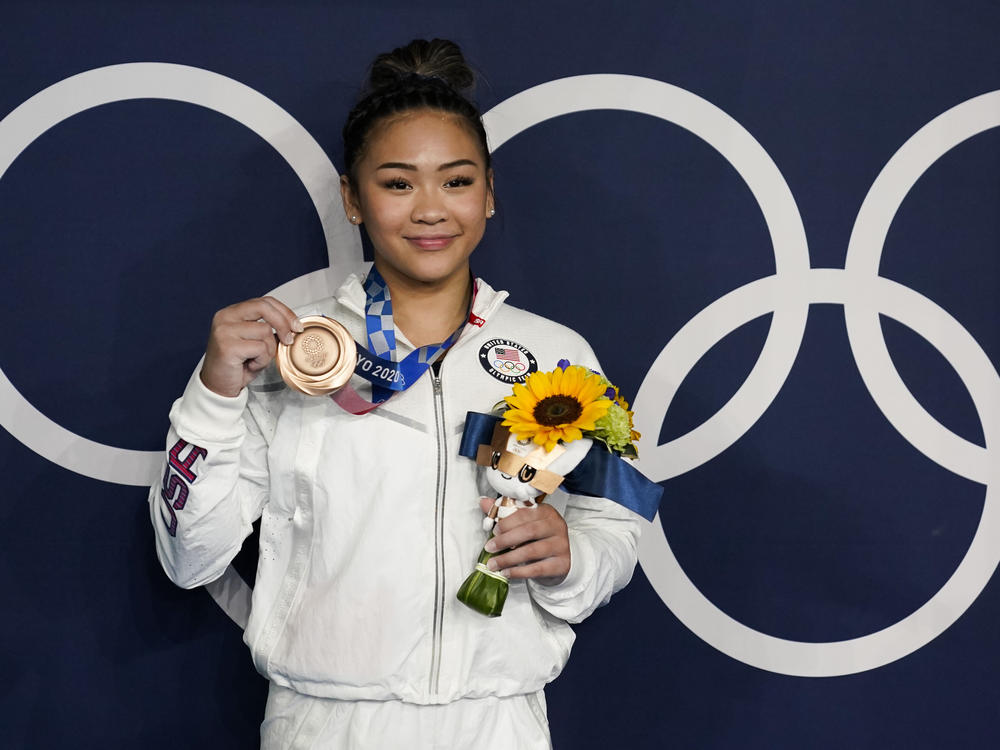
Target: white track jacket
{"points": [[369, 524]]}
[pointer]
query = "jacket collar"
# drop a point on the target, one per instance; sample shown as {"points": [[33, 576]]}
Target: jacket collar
{"points": [[351, 295]]}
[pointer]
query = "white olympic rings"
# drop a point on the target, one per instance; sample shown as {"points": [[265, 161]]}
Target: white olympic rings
{"points": [[787, 295], [182, 83], [864, 295]]}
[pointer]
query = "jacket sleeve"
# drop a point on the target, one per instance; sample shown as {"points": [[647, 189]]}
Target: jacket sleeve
{"points": [[603, 538], [213, 485], [603, 542]]}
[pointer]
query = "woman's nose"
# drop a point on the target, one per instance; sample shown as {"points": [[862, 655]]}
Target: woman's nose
{"points": [[429, 208]]}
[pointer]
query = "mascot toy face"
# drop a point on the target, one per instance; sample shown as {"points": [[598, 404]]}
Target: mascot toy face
{"points": [[523, 470]]}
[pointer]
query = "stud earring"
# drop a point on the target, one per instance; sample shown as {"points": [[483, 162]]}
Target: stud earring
{"points": [[354, 219], [492, 211]]}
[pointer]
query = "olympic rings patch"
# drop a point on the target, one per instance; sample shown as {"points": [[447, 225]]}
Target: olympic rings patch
{"points": [[507, 361]]}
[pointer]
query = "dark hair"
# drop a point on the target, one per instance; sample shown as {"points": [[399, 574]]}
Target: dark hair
{"points": [[422, 75]]}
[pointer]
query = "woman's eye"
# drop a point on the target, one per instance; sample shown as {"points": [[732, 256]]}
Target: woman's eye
{"points": [[527, 473], [397, 184], [459, 182]]}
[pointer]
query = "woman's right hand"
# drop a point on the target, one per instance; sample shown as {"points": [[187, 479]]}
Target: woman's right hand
{"points": [[243, 342]]}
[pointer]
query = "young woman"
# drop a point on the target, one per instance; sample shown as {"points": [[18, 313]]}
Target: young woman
{"points": [[370, 522]]}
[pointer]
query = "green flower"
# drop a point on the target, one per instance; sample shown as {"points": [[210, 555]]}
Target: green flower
{"points": [[614, 429]]}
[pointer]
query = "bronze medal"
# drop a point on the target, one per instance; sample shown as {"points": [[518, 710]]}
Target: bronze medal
{"points": [[320, 360]]}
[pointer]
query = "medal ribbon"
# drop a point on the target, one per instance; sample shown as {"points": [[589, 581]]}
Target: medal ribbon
{"points": [[377, 364]]}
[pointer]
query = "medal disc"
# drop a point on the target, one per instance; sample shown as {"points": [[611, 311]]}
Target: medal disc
{"points": [[321, 359]]}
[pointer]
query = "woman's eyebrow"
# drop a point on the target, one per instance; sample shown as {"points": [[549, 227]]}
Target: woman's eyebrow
{"points": [[457, 163], [397, 165]]}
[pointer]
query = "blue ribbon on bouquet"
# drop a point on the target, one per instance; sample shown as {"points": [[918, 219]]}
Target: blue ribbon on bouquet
{"points": [[601, 473]]}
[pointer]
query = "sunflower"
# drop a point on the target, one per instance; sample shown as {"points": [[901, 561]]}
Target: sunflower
{"points": [[557, 405]]}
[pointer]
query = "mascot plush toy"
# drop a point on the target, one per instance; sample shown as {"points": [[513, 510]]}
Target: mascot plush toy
{"points": [[570, 419], [522, 473]]}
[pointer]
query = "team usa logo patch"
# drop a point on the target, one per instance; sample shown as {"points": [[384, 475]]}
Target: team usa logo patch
{"points": [[507, 361]]}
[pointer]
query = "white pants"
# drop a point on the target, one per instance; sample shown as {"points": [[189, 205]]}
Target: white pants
{"points": [[294, 721]]}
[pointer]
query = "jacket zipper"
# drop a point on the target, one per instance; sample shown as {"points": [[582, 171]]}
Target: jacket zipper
{"points": [[439, 579]]}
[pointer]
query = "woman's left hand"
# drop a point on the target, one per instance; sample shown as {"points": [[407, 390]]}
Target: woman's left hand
{"points": [[540, 540]]}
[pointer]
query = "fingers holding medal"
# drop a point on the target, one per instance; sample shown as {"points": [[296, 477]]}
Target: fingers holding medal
{"points": [[243, 340]]}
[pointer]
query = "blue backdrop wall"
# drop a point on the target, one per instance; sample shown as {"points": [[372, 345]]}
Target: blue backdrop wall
{"points": [[777, 222]]}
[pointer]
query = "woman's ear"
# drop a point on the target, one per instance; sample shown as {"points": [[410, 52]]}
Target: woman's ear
{"points": [[349, 196]]}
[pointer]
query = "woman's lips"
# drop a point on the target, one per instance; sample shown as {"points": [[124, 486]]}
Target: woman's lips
{"points": [[436, 242]]}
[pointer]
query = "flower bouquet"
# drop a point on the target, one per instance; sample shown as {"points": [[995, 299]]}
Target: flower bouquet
{"points": [[540, 433]]}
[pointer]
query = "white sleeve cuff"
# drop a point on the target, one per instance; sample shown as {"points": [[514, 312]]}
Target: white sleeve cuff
{"points": [[575, 581], [203, 416]]}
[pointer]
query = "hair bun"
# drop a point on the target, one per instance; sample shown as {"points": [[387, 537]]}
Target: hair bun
{"points": [[437, 58], [422, 75]]}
